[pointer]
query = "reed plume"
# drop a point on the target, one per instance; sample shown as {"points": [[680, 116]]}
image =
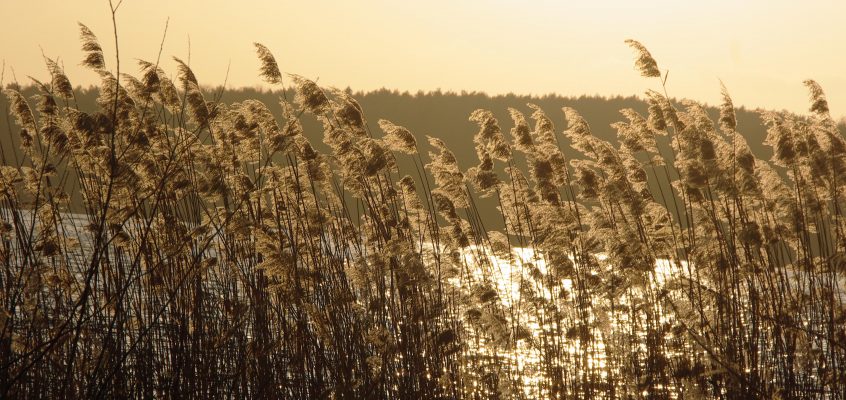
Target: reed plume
{"points": [[94, 53], [269, 69], [644, 63]]}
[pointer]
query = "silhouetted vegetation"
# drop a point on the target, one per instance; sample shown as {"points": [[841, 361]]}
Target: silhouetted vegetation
{"points": [[441, 114], [167, 243]]}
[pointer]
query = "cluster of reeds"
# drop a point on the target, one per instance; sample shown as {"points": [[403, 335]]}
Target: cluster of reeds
{"points": [[220, 255]]}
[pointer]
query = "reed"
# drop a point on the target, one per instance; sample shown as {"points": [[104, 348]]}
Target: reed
{"points": [[220, 255]]}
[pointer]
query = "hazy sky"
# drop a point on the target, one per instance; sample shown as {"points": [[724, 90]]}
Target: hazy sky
{"points": [[762, 50]]}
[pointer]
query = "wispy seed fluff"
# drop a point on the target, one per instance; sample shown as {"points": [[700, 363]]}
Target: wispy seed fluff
{"points": [[398, 138], [47, 103], [448, 177], [636, 135], [668, 112], [544, 129], [780, 138], [257, 113], [136, 88], [483, 176], [577, 125], [349, 112], [578, 131], [409, 193], [310, 96], [94, 57], [656, 114], [819, 105], [56, 136], [197, 104], [185, 74], [149, 75], [490, 135], [60, 82], [377, 159], [193, 95], [521, 133], [20, 109], [644, 63], [587, 178], [156, 81], [444, 205], [728, 119], [269, 69]]}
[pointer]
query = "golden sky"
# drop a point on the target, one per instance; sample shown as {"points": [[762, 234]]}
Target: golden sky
{"points": [[762, 50]]}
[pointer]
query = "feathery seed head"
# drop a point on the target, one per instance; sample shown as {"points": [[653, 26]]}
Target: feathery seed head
{"points": [[577, 125], [407, 184], [444, 156], [185, 74], [521, 133], [398, 138], [349, 112], [94, 58], [578, 131], [377, 159], [656, 114], [645, 63], [819, 104], [269, 69], [20, 109], [487, 124], [696, 115], [490, 135], [310, 96], [47, 104], [197, 105], [56, 136], [587, 179], [444, 205], [544, 129], [781, 138], [61, 84], [668, 112], [728, 120], [135, 87], [637, 132]]}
